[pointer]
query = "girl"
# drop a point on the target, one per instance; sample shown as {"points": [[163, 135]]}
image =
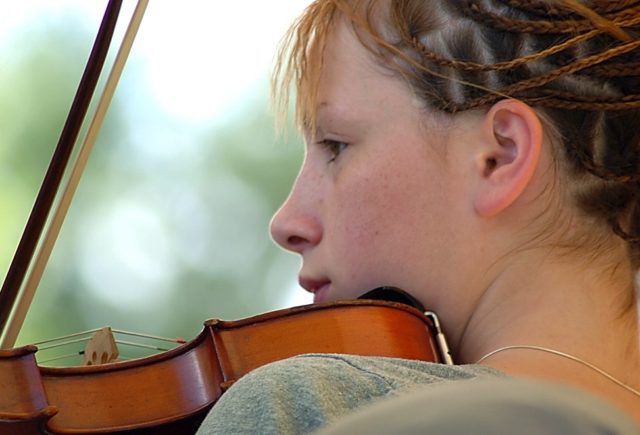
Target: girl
{"points": [[484, 156]]}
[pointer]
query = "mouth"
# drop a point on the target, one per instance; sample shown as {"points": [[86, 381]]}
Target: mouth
{"points": [[319, 288]]}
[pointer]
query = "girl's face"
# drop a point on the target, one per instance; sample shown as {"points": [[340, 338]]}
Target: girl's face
{"points": [[375, 201]]}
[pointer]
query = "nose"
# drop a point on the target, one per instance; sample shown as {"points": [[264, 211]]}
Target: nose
{"points": [[296, 226]]}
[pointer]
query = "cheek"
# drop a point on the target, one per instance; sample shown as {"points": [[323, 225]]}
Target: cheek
{"points": [[385, 223]]}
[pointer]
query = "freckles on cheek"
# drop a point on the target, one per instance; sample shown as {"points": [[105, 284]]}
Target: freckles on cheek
{"points": [[364, 212]]}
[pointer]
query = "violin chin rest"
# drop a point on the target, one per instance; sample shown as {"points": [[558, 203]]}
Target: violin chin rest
{"points": [[393, 294]]}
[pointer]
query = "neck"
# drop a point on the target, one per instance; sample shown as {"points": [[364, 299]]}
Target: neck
{"points": [[552, 302]]}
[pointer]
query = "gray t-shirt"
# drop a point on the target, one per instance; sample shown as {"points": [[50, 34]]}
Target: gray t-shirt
{"points": [[306, 393]]}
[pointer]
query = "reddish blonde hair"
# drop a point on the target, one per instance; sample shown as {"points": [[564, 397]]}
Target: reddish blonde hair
{"points": [[576, 62]]}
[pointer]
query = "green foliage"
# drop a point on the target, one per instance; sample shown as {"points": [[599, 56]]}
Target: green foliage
{"points": [[156, 241]]}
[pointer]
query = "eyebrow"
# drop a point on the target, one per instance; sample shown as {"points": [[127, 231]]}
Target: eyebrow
{"points": [[336, 110], [323, 105], [337, 116]]}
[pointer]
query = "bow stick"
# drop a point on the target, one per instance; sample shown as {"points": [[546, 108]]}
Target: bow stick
{"points": [[10, 295]]}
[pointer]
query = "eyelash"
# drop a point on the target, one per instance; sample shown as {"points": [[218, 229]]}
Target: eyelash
{"points": [[334, 147]]}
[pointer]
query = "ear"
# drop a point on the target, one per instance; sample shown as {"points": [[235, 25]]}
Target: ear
{"points": [[512, 141]]}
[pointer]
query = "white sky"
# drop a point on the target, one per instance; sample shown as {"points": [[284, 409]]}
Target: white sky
{"points": [[228, 45], [198, 57]]}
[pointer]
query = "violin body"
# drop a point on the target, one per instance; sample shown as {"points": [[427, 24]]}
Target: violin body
{"points": [[171, 392]]}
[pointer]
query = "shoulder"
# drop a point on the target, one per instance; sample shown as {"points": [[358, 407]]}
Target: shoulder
{"points": [[362, 376], [496, 406], [390, 371], [307, 392]]}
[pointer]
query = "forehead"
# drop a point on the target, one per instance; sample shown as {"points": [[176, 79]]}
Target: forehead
{"points": [[345, 54], [326, 36], [359, 100], [346, 65], [353, 82]]}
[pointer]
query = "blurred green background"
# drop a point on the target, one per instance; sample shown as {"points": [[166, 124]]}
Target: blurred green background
{"points": [[169, 226]]}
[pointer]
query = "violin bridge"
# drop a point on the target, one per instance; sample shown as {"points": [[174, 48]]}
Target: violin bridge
{"points": [[101, 348]]}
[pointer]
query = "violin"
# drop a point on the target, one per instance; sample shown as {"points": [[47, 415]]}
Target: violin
{"points": [[171, 392]]}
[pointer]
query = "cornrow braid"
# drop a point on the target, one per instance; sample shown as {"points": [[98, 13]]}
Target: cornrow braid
{"points": [[561, 100], [617, 229], [535, 82], [560, 61], [545, 8], [617, 69], [472, 66], [475, 9], [623, 174], [628, 69]]}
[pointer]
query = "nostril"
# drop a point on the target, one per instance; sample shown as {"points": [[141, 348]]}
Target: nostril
{"points": [[295, 240]]}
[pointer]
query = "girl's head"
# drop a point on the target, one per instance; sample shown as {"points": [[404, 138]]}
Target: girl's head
{"points": [[569, 70]]}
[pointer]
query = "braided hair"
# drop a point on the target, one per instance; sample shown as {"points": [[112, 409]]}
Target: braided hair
{"points": [[576, 62]]}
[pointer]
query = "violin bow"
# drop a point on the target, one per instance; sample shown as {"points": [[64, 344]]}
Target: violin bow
{"points": [[14, 303]]}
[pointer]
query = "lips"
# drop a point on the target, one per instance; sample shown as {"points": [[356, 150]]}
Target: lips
{"points": [[319, 288]]}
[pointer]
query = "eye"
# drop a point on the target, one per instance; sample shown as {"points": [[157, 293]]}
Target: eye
{"points": [[333, 147]]}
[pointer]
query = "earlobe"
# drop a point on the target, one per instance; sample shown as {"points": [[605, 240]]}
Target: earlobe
{"points": [[512, 135]]}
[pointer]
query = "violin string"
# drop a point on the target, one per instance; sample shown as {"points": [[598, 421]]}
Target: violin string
{"points": [[58, 358], [45, 344], [141, 345], [54, 345], [149, 336], [73, 355], [81, 352], [126, 343], [64, 337]]}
